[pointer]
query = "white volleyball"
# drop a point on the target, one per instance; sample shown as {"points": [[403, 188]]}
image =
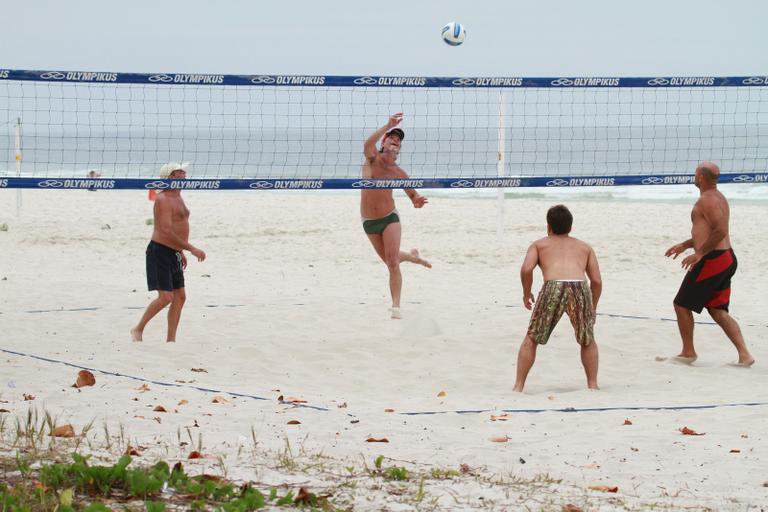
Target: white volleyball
{"points": [[454, 33]]}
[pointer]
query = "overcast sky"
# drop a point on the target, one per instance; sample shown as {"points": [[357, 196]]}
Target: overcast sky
{"points": [[358, 37]]}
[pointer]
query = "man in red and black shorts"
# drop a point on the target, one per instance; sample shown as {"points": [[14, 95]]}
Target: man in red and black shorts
{"points": [[710, 268]]}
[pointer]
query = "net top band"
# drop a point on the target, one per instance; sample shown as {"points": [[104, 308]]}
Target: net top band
{"points": [[380, 81]]}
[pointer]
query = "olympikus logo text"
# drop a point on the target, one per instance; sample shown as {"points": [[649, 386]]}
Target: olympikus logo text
{"points": [[300, 80], [312, 184], [92, 184], [199, 185], [3, 73], [198, 79], [3, 183], [592, 82], [402, 80], [400, 183], [677, 180], [585, 82], [692, 80], [510, 82], [590, 182], [509, 182], [87, 76]]}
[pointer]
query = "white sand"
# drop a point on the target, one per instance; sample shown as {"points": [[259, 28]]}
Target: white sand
{"points": [[292, 301]]}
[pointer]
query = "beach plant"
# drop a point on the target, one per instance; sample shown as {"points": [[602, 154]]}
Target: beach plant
{"points": [[67, 486], [443, 474], [397, 473], [286, 459], [391, 473]]}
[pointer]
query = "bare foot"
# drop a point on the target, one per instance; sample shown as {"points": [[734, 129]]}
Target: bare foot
{"points": [[745, 364], [418, 259], [396, 315], [677, 359], [136, 335], [170, 341]]}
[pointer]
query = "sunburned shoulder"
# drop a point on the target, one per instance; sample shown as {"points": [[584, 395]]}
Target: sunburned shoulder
{"points": [[711, 197], [583, 245], [560, 241]]}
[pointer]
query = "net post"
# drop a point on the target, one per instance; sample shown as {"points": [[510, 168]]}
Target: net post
{"points": [[501, 134], [17, 143]]}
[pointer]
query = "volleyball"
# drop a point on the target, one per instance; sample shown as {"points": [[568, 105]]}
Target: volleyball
{"points": [[454, 33]]}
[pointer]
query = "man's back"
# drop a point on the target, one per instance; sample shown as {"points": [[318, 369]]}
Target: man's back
{"points": [[710, 213], [562, 257]]}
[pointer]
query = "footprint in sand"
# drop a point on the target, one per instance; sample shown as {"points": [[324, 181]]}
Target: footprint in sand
{"points": [[677, 359]]}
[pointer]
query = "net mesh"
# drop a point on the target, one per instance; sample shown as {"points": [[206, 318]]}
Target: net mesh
{"points": [[69, 127]]}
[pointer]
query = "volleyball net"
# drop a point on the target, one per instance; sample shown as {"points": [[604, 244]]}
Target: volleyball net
{"points": [[64, 129]]}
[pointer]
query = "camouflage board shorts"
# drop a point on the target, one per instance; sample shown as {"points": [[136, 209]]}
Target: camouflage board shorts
{"points": [[572, 297]]}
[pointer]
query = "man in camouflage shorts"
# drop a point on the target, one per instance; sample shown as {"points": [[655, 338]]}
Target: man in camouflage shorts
{"points": [[566, 263]]}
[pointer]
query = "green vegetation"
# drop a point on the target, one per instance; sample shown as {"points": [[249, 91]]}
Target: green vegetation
{"points": [[78, 486]]}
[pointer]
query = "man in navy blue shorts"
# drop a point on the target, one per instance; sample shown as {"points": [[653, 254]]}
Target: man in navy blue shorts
{"points": [[165, 254], [710, 268]]}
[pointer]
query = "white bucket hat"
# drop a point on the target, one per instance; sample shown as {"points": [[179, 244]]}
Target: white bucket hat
{"points": [[167, 169]]}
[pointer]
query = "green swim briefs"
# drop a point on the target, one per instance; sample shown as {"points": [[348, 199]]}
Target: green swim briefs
{"points": [[376, 226]]}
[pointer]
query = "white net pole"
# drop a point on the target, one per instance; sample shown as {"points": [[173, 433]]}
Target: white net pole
{"points": [[502, 135], [17, 156]]}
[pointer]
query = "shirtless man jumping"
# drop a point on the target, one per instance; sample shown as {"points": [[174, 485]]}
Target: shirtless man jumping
{"points": [[566, 263], [377, 206], [165, 254], [710, 268]]}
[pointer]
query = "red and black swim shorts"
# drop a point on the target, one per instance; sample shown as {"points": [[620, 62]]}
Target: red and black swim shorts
{"points": [[708, 283]]}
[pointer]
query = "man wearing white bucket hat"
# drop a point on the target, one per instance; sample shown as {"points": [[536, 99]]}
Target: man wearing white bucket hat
{"points": [[165, 254]]}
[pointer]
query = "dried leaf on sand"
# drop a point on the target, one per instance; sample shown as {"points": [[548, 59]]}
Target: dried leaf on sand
{"points": [[63, 431], [604, 488], [84, 378]]}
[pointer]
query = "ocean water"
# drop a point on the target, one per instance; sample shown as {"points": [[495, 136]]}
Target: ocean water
{"points": [[739, 192], [425, 154], [436, 153]]}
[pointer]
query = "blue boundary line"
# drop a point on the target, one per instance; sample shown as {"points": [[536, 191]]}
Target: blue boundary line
{"points": [[609, 315], [592, 409], [158, 382], [412, 413], [96, 308]]}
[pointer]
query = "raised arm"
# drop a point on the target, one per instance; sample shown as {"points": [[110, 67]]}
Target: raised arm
{"points": [[526, 274], [369, 149]]}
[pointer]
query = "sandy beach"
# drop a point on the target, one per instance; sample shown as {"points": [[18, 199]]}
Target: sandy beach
{"points": [[292, 302]]}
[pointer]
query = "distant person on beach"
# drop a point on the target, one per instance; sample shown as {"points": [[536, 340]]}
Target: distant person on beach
{"points": [[381, 221], [93, 175], [566, 263], [165, 254], [710, 268]]}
